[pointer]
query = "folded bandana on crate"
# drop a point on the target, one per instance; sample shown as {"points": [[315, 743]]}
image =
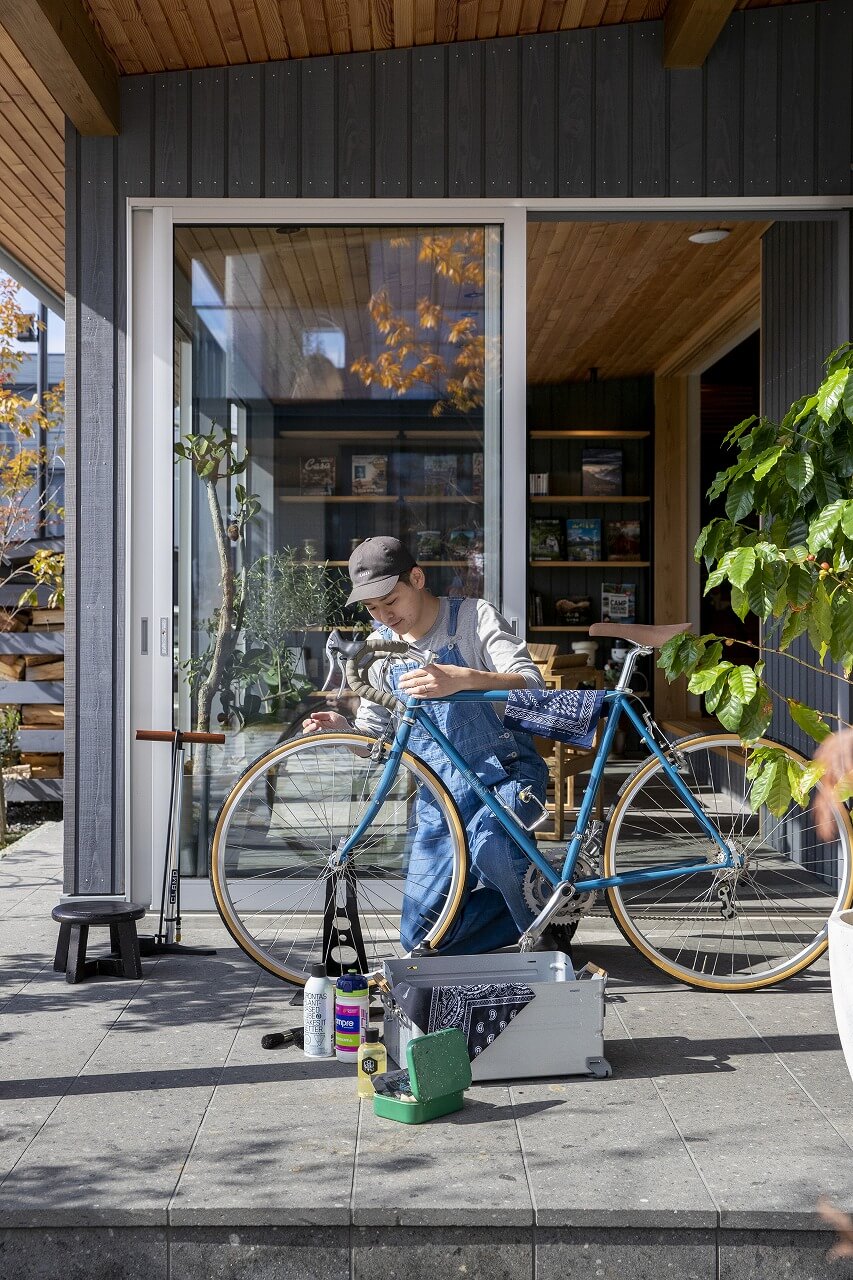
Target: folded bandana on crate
{"points": [[481, 1011], [566, 715]]}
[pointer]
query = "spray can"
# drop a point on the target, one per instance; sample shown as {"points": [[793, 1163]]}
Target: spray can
{"points": [[351, 1014], [318, 1014]]}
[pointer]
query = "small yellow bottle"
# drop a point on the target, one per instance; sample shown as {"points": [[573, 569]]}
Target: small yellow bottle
{"points": [[372, 1059]]}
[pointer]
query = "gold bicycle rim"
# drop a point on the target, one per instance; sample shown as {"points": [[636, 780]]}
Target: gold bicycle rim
{"points": [[446, 802], [623, 921]]}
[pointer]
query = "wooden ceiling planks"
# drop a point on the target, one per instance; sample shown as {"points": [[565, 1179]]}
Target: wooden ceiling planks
{"points": [[621, 296]]}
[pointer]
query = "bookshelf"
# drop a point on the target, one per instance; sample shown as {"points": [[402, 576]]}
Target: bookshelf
{"points": [[591, 444]]}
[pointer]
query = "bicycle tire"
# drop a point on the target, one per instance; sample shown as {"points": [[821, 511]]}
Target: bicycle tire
{"points": [[780, 905], [282, 821]]}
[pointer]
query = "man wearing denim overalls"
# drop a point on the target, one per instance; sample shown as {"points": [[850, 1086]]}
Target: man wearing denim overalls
{"points": [[469, 646]]}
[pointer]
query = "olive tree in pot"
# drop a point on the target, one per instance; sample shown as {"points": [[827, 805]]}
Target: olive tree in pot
{"points": [[785, 549]]}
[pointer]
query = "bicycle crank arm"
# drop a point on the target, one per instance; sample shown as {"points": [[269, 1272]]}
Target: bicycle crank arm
{"points": [[563, 893]]}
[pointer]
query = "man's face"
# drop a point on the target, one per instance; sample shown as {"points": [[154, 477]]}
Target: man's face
{"points": [[400, 609]]}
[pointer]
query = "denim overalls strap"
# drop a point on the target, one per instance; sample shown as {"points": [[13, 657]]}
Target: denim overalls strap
{"points": [[474, 728]]}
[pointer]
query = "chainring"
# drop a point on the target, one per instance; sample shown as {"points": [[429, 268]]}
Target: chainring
{"points": [[537, 891]]}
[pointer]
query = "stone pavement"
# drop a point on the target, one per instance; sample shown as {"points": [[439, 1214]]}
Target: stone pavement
{"points": [[145, 1133]]}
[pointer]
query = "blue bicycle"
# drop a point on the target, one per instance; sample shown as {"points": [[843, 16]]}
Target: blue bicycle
{"points": [[310, 851]]}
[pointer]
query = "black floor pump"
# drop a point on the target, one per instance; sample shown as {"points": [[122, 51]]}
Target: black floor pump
{"points": [[168, 936]]}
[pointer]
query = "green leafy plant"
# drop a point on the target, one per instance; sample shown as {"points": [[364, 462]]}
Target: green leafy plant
{"points": [[785, 548], [214, 457]]}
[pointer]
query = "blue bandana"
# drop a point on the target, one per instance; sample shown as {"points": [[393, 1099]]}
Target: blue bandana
{"points": [[566, 715]]}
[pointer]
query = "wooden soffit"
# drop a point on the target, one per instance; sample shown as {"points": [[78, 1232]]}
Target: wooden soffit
{"points": [[631, 298], [159, 35]]}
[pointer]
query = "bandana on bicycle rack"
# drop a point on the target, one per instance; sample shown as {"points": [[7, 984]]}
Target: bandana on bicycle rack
{"points": [[566, 715]]}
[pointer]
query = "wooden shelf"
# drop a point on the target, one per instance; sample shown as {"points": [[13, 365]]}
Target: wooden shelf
{"points": [[426, 564], [382, 435], [590, 564], [461, 500], [589, 435], [590, 498]]}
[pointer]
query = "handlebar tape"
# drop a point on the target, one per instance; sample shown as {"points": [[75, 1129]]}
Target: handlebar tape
{"points": [[374, 647]]}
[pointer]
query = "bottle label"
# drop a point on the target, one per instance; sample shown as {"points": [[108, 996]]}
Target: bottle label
{"points": [[369, 1066], [315, 1019], [348, 1027]]}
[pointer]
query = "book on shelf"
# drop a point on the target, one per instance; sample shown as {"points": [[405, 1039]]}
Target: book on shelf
{"points": [[317, 476], [546, 539], [477, 475], [618, 602], [574, 611], [370, 474], [539, 483], [441, 474], [429, 544], [623, 539], [583, 539], [601, 472], [536, 610], [463, 542]]}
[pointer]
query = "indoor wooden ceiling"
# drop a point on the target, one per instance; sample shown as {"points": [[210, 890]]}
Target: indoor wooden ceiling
{"points": [[159, 35], [626, 298], [633, 297]]}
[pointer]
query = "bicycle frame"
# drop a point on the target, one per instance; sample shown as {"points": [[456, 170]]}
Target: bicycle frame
{"points": [[617, 704]]}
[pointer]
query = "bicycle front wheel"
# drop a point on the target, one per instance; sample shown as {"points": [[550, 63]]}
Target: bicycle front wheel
{"points": [[733, 928], [280, 890]]}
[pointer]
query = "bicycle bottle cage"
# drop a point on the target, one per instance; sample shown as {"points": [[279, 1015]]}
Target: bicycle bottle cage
{"points": [[526, 797]]}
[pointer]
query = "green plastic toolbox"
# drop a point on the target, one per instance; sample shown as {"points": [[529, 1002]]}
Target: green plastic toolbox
{"points": [[439, 1072]]}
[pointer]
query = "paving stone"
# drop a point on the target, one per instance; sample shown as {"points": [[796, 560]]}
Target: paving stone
{"points": [[271, 1253], [737, 1109], [422, 1253], [404, 1175], [779, 1255], [642, 1172], [277, 1145], [87, 1254], [590, 1253]]}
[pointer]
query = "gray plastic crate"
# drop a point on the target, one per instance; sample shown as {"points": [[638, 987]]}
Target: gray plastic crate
{"points": [[560, 1033]]}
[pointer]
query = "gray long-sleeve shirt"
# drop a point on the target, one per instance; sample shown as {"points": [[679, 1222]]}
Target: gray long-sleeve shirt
{"points": [[484, 641]]}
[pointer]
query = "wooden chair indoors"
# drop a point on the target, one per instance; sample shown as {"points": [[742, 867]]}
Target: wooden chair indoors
{"points": [[565, 671]]}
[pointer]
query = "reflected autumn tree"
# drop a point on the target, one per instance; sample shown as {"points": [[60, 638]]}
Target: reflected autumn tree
{"points": [[412, 351]]}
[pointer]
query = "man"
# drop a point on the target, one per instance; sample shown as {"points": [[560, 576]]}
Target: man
{"points": [[456, 645]]}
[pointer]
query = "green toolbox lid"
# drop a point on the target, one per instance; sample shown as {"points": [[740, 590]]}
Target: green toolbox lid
{"points": [[438, 1064]]}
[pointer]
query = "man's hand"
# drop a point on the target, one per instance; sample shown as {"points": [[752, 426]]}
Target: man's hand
{"points": [[326, 721], [835, 753], [436, 680]]}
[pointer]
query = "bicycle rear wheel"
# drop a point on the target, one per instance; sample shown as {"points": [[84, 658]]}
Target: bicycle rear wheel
{"points": [[732, 929], [273, 869]]}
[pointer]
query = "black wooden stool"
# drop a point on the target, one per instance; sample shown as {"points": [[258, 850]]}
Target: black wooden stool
{"points": [[77, 917]]}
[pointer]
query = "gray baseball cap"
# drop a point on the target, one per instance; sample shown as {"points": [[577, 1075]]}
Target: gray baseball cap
{"points": [[375, 567]]}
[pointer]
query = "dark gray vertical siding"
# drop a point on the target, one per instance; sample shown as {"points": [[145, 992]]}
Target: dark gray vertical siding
{"points": [[578, 113], [805, 314]]}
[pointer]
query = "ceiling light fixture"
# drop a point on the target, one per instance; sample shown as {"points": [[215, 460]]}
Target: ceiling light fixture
{"points": [[713, 236]]}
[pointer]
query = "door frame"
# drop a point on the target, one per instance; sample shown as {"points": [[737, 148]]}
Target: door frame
{"points": [[150, 225]]}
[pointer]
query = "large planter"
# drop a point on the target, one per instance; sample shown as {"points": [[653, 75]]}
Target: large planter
{"points": [[841, 975]]}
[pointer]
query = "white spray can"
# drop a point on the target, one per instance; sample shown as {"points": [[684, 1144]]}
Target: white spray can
{"points": [[318, 1014]]}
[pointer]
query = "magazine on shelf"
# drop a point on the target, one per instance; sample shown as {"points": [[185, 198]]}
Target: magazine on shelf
{"points": [[583, 539], [574, 611], [317, 476], [618, 602], [546, 539], [463, 542], [370, 474], [623, 539], [441, 474], [429, 544], [601, 472], [477, 476]]}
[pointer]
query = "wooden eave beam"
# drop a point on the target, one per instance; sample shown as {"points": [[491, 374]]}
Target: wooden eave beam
{"points": [[59, 41], [690, 28]]}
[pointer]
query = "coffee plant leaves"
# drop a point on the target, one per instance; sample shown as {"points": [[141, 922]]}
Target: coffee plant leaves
{"points": [[807, 719], [799, 470]]}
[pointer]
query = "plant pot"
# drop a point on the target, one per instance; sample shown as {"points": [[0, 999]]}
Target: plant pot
{"points": [[841, 975]]}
